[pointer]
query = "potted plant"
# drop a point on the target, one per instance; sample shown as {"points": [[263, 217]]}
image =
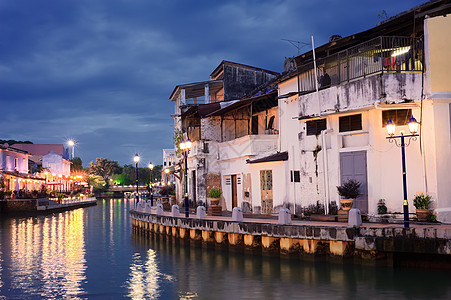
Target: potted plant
{"points": [[349, 190], [421, 203], [215, 195]]}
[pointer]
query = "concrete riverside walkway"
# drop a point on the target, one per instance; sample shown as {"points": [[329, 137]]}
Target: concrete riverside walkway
{"points": [[374, 242], [256, 218]]}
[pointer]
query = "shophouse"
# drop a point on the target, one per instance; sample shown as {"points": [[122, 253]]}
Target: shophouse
{"points": [[335, 111], [211, 113]]}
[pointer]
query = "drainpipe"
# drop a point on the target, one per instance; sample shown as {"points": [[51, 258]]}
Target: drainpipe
{"points": [[326, 172], [316, 77]]}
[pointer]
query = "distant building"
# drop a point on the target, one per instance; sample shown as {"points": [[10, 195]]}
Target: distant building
{"points": [[14, 170], [169, 159]]}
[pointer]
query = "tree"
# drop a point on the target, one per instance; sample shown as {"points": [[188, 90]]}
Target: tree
{"points": [[97, 182], [103, 167], [77, 165]]}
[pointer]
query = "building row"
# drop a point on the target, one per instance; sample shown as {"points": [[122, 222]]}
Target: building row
{"points": [[34, 167], [287, 140]]}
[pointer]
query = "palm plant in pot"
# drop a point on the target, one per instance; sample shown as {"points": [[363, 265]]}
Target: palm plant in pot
{"points": [[422, 203], [349, 190]]}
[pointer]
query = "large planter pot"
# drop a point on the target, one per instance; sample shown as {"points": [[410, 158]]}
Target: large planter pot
{"points": [[346, 204], [422, 214], [215, 209], [166, 204]]}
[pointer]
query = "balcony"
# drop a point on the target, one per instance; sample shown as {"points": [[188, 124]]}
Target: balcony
{"points": [[249, 145], [350, 85], [384, 54]]}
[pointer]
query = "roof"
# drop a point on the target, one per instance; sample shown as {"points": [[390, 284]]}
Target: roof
{"points": [[40, 149], [279, 156], [223, 107], [218, 69], [401, 22], [13, 149], [196, 89], [23, 175]]}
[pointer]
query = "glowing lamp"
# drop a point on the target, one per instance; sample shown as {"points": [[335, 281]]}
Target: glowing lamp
{"points": [[413, 125], [188, 144], [390, 127], [136, 158], [151, 166]]}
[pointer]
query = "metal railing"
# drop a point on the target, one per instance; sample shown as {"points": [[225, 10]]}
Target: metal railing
{"points": [[388, 54]]}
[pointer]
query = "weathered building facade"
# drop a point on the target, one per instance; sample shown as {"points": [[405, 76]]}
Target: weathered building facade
{"points": [[210, 113], [326, 122], [396, 70]]}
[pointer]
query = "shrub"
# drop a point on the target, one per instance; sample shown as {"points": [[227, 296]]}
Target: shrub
{"points": [[333, 208], [349, 189], [422, 201], [381, 208]]}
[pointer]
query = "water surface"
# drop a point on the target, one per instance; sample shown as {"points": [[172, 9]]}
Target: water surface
{"points": [[91, 253]]}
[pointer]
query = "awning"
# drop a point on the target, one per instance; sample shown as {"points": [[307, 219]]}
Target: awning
{"points": [[237, 104], [279, 156]]}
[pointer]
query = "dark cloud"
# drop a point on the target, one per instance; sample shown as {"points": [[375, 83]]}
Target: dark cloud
{"points": [[101, 72]]}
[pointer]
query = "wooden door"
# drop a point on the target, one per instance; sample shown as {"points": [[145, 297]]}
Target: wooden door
{"points": [[234, 192], [353, 166], [266, 191]]}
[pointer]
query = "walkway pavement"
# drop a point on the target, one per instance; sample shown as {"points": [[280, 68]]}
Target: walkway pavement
{"points": [[227, 216]]}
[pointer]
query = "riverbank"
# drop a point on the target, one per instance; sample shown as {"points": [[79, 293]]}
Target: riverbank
{"points": [[372, 243], [42, 206]]}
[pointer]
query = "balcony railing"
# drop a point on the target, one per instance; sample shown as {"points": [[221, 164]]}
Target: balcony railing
{"points": [[382, 54], [249, 145]]}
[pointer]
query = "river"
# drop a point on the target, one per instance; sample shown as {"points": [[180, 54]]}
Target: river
{"points": [[91, 253]]}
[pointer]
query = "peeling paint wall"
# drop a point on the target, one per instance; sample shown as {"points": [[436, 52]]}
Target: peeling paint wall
{"points": [[362, 93], [238, 80]]}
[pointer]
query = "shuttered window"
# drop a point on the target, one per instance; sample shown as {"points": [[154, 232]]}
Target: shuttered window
{"points": [[350, 123], [398, 116], [314, 127], [295, 176]]}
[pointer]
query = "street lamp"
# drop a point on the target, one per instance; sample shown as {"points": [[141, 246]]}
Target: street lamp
{"points": [[184, 147], [151, 191], [413, 128], [71, 143], [136, 159]]}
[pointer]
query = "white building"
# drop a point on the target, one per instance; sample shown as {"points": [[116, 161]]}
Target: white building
{"points": [[339, 132], [56, 164], [293, 150], [14, 170], [169, 159]]}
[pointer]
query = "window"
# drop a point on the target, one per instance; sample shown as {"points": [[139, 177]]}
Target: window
{"points": [[314, 127], [164, 164], [350, 123], [398, 116], [254, 126], [295, 176]]}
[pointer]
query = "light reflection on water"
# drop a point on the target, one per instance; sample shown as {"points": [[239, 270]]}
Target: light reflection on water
{"points": [[92, 253], [47, 255]]}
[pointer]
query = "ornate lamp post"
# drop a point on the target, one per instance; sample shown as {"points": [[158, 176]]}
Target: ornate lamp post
{"points": [[136, 159], [151, 190], [184, 147], [413, 128]]}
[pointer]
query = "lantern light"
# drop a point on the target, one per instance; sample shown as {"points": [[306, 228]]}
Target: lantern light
{"points": [[390, 127], [413, 125]]}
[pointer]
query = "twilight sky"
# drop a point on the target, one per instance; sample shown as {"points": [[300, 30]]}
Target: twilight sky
{"points": [[101, 71]]}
